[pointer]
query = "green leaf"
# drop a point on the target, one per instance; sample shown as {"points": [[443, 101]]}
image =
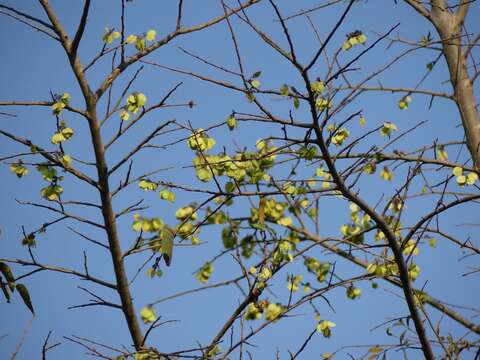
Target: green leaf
{"points": [[296, 102], [261, 212], [5, 290], [256, 74], [7, 273], [167, 244], [230, 187], [29, 240], [22, 290]]}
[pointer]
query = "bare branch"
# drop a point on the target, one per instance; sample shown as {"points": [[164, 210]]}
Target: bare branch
{"points": [[81, 28]]}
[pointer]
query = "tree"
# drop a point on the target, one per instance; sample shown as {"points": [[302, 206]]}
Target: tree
{"points": [[328, 198]]}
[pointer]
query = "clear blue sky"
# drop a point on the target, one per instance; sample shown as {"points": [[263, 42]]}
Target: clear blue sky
{"points": [[34, 65]]}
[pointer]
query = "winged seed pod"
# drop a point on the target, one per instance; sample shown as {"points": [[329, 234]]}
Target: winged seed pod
{"points": [[167, 244], [22, 290]]}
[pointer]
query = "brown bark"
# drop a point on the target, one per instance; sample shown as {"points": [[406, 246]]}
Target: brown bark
{"points": [[449, 26], [103, 183]]}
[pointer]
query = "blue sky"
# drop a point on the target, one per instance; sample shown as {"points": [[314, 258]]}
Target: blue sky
{"points": [[34, 66]]}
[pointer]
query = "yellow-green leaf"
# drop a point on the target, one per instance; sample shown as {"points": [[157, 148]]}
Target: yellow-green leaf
{"points": [[148, 314], [151, 35], [231, 122], [457, 171], [441, 153], [285, 221], [362, 121], [255, 83], [472, 178], [18, 169]]}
